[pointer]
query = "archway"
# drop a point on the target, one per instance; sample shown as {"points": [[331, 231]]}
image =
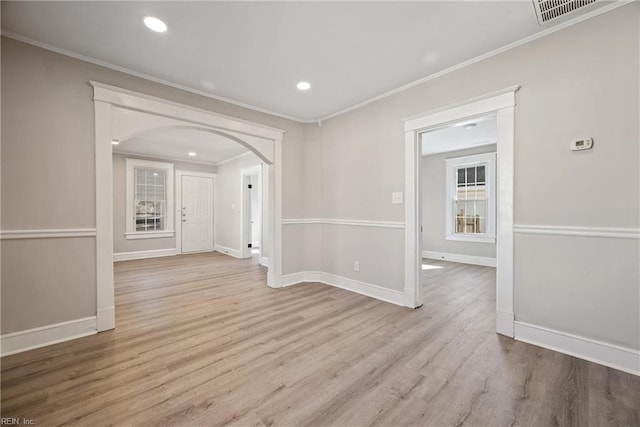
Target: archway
{"points": [[120, 114]]}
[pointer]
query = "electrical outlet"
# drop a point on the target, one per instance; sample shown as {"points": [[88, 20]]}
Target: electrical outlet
{"points": [[356, 265]]}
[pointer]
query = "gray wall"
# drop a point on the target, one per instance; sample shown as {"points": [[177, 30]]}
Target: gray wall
{"points": [[229, 189], [434, 205], [120, 243], [48, 179], [581, 81]]}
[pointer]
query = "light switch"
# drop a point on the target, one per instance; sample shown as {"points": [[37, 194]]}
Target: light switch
{"points": [[396, 198]]}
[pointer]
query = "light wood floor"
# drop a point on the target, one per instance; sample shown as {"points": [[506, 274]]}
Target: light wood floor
{"points": [[201, 341]]}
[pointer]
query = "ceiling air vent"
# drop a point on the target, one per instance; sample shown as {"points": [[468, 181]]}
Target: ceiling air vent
{"points": [[548, 10]]}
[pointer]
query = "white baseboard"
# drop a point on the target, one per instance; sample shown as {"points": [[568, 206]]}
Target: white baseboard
{"points": [[264, 261], [613, 356], [373, 291], [126, 256], [465, 259], [17, 342], [504, 323], [294, 279], [228, 251]]}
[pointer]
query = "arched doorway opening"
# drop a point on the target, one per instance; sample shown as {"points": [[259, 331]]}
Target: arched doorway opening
{"points": [[120, 114]]}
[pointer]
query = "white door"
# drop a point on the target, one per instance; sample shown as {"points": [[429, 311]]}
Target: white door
{"points": [[197, 214]]}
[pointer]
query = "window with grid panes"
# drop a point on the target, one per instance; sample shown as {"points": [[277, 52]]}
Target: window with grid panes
{"points": [[149, 199], [471, 205]]}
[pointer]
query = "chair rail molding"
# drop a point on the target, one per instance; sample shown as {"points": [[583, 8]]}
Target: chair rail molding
{"points": [[581, 231], [352, 222], [48, 233]]}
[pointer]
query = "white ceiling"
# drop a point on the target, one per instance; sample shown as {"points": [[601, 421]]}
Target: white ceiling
{"points": [[254, 53], [456, 137], [176, 143]]}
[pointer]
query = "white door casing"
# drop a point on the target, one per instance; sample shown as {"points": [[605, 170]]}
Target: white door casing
{"points": [[503, 104], [121, 114], [196, 213]]}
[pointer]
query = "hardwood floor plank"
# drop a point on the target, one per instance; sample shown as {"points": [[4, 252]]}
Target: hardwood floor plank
{"points": [[202, 341]]}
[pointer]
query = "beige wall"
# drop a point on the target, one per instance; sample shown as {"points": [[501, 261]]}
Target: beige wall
{"points": [[434, 207], [582, 81], [48, 177], [120, 243], [229, 199]]}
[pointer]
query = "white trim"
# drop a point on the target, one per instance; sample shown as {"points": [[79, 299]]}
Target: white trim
{"points": [[227, 251], [614, 356], [352, 222], [47, 233], [105, 293], [183, 172], [482, 57], [488, 160], [264, 261], [363, 288], [130, 182], [231, 159], [17, 342], [155, 253], [147, 112], [125, 153], [504, 323], [479, 106], [503, 103], [563, 230], [135, 235], [297, 278], [465, 259], [128, 99], [461, 65]]}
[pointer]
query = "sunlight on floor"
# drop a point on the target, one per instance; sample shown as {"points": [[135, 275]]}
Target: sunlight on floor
{"points": [[431, 267]]}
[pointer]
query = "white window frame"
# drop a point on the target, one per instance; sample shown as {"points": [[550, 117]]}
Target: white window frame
{"points": [[488, 160], [131, 233]]}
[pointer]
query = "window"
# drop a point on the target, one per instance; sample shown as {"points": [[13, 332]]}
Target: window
{"points": [[149, 202], [471, 203]]}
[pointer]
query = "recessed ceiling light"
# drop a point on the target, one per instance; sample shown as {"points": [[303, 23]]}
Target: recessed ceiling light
{"points": [[191, 153], [154, 24], [115, 142], [469, 126], [303, 85]]}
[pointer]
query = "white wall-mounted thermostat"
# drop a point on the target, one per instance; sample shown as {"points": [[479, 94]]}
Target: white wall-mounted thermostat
{"points": [[581, 144]]}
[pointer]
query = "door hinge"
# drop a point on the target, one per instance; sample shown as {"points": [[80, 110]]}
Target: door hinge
{"points": [[250, 186]]}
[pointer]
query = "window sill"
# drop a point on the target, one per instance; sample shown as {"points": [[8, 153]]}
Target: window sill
{"points": [[149, 234], [471, 238]]}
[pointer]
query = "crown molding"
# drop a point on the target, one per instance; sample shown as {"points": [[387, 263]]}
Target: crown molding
{"points": [[559, 27], [513, 45], [145, 76]]}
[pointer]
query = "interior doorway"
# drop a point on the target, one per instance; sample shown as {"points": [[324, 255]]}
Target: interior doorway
{"points": [[121, 114], [502, 104], [253, 237]]}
